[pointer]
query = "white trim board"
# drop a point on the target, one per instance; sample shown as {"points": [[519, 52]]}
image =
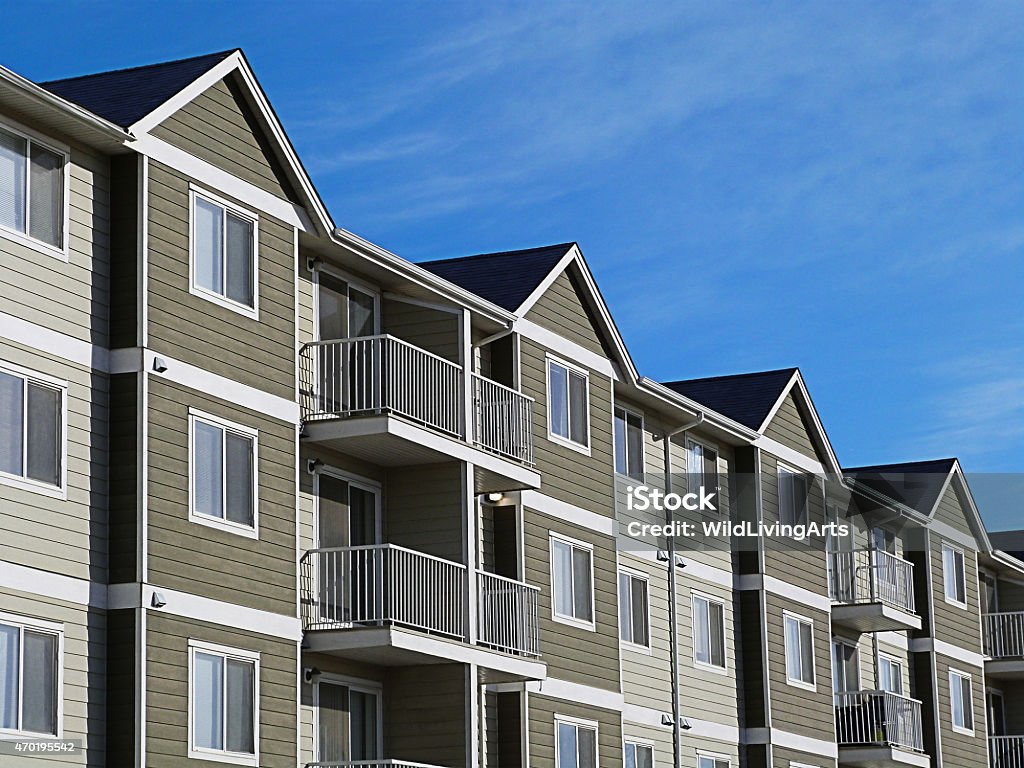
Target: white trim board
{"points": [[565, 347], [54, 586], [941, 647], [781, 738], [54, 343], [770, 584], [570, 513], [578, 693]]}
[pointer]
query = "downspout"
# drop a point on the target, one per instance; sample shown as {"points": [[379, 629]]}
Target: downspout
{"points": [[677, 730]]}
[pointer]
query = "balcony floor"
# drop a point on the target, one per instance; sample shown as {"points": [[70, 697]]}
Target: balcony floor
{"points": [[399, 647], [874, 617], [874, 756], [390, 441]]}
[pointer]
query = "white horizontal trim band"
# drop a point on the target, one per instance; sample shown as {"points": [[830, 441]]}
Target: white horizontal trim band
{"points": [[577, 693], [787, 454], [755, 581], [54, 586], [652, 718], [931, 645], [563, 346], [790, 740], [54, 343], [568, 512]]}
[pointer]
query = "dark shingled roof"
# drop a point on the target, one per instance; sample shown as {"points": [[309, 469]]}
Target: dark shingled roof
{"points": [[506, 278], [1010, 542], [915, 484], [744, 397], [125, 96]]}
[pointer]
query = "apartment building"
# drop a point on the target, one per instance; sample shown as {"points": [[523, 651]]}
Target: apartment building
{"points": [[271, 495]]}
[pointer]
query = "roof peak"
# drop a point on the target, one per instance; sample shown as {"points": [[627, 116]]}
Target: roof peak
{"points": [[723, 377], [221, 55], [514, 252], [899, 466]]}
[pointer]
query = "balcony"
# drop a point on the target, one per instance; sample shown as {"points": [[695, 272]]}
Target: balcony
{"points": [[392, 403], [1003, 643], [878, 729], [873, 591], [388, 605], [1006, 751]]}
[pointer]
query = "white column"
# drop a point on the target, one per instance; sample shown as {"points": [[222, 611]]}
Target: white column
{"points": [[466, 355], [470, 547], [473, 731]]}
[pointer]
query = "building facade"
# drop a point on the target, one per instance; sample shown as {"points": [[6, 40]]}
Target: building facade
{"points": [[273, 496]]}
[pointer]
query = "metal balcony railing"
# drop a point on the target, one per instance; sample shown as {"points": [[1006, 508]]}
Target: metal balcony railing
{"points": [[382, 585], [507, 616], [1003, 634], [384, 374], [1006, 751], [503, 420], [871, 576], [878, 718]]}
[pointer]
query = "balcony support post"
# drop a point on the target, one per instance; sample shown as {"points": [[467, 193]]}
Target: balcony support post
{"points": [[470, 549], [466, 356], [474, 733]]}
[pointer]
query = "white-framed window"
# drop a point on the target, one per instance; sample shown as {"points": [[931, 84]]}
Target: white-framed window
{"points": [[629, 443], [575, 742], [954, 575], [890, 674], [799, 642], [702, 467], [572, 581], [31, 676], [638, 754], [33, 191], [845, 666], [793, 492], [33, 430], [568, 405], [349, 719], [223, 703], [708, 632], [223, 477], [961, 699], [710, 760], [634, 616], [224, 247]]}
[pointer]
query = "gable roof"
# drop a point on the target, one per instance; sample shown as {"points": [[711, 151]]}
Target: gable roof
{"points": [[506, 278], [747, 398], [915, 484], [125, 96]]}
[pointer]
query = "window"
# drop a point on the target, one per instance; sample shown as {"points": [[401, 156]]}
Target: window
{"points": [[639, 755], [222, 474], [845, 667], [223, 701], [572, 579], [708, 631], [890, 674], [568, 419], [953, 575], [629, 444], [577, 743], [32, 190], [634, 626], [799, 639], [712, 761], [793, 488], [996, 713], [31, 428], [701, 468], [224, 239], [962, 701], [30, 676], [349, 722]]}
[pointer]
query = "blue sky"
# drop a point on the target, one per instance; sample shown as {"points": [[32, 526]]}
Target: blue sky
{"points": [[756, 185]]}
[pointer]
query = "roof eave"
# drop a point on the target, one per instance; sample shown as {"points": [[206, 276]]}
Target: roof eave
{"points": [[681, 401]]}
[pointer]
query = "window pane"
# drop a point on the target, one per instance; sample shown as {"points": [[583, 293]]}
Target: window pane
{"points": [[364, 726], [625, 611], [644, 757], [711, 470], [240, 478], [46, 208], [806, 654], [39, 711], [965, 684], [701, 633], [209, 470], [209, 246], [639, 605], [792, 649], [635, 444], [960, 577], [620, 442], [208, 704], [332, 714], [44, 430], [717, 624], [562, 554], [12, 393], [559, 399], [9, 653], [786, 498], [240, 260], [12, 181], [581, 588], [240, 706], [566, 745], [800, 498], [630, 756], [361, 313], [588, 747], [578, 408]]}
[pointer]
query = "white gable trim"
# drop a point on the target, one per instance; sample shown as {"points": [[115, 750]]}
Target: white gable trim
{"points": [[549, 280], [187, 94], [797, 381]]}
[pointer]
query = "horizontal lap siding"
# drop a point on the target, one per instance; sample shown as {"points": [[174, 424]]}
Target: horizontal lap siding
{"points": [[307, 497], [425, 714], [424, 509], [957, 748], [259, 353], [952, 513], [646, 675], [542, 711], [561, 310], [203, 560], [714, 694], [217, 126], [568, 475], [785, 757], [795, 709], [74, 297], [84, 692], [790, 428], [426, 328], [951, 623], [167, 690], [64, 536], [573, 653]]}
